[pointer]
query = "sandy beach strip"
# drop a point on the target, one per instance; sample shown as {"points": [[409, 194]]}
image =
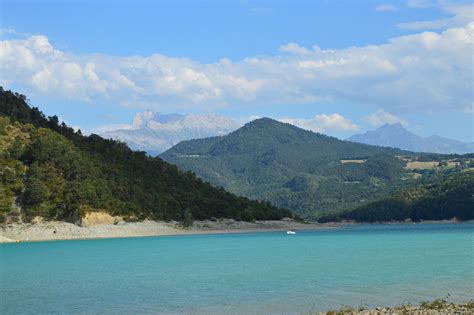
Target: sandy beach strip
{"points": [[4, 239], [57, 230]]}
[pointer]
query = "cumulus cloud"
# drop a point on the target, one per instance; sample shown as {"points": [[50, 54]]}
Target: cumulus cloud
{"points": [[323, 123], [381, 117], [386, 8], [420, 72]]}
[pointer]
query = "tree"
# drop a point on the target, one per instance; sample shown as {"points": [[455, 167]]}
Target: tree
{"points": [[188, 219], [35, 192], [247, 215]]}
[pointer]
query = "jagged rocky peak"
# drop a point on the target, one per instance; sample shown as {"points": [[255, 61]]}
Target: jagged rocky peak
{"points": [[156, 132]]}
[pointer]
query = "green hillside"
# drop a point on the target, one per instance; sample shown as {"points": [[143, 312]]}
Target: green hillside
{"points": [[307, 172], [452, 197], [48, 170]]}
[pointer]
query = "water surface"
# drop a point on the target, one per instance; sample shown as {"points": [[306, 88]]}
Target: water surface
{"points": [[251, 273]]}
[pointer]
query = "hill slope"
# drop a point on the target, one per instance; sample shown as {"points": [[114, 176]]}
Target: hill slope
{"points": [[452, 197], [306, 172], [54, 172], [396, 136]]}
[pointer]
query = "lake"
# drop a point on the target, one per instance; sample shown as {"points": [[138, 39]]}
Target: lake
{"points": [[254, 273]]}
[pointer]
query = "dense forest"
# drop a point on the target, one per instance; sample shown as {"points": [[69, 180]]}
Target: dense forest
{"points": [[47, 169], [452, 197], [310, 173]]}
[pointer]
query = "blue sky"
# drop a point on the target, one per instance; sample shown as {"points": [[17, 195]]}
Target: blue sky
{"points": [[336, 66]]}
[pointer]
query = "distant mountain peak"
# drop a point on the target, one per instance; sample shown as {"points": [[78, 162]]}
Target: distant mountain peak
{"points": [[396, 127], [156, 132], [393, 126], [143, 118], [397, 136]]}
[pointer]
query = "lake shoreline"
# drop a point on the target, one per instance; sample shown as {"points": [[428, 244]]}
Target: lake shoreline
{"points": [[60, 230]]}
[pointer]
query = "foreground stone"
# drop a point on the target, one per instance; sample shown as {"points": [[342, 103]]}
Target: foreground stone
{"points": [[435, 307]]}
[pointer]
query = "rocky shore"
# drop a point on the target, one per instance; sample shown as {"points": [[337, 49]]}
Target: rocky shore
{"points": [[104, 226], [436, 307]]}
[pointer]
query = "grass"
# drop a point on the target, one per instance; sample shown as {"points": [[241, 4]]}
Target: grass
{"points": [[412, 165], [452, 164], [352, 161], [422, 165]]}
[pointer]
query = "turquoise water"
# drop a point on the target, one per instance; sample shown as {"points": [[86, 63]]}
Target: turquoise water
{"points": [[254, 273]]}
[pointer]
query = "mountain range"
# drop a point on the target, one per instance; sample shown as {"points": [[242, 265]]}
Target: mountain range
{"points": [[396, 136], [154, 132]]}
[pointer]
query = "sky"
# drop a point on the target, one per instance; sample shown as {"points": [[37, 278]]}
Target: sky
{"points": [[337, 67]]}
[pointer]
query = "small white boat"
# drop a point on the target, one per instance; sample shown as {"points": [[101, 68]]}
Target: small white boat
{"points": [[290, 232]]}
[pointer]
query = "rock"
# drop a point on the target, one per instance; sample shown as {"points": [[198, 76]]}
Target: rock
{"points": [[96, 218], [37, 220]]}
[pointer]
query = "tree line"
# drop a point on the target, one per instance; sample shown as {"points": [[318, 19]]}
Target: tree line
{"points": [[53, 171]]}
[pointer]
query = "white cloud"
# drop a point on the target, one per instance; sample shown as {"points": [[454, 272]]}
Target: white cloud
{"points": [[7, 31], [294, 49], [381, 117], [112, 127], [386, 8], [421, 72], [323, 123], [459, 15]]}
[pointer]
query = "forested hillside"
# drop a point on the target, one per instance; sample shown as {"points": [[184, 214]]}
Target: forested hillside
{"points": [[452, 197], [309, 173], [47, 169]]}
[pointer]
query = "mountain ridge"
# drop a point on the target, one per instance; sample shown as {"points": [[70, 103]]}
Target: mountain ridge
{"points": [[292, 167], [397, 136]]}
